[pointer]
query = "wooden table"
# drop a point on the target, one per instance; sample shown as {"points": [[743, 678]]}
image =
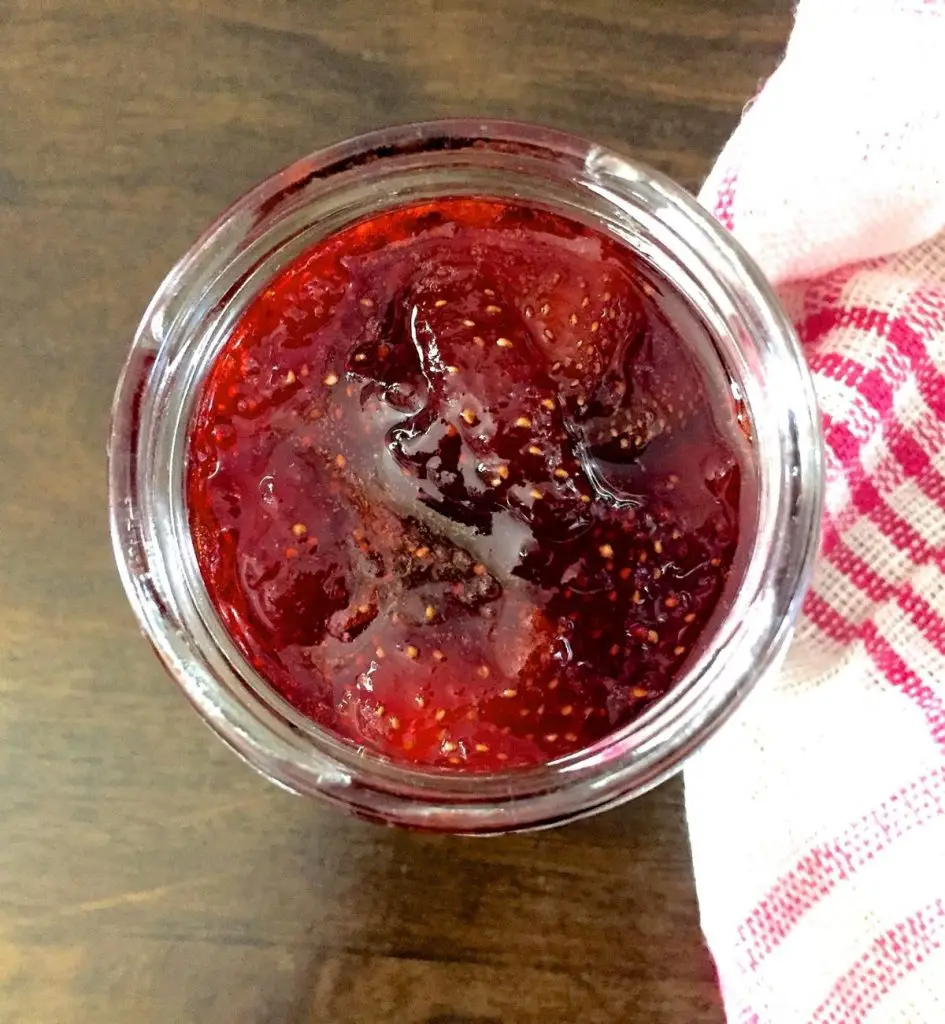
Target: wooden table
{"points": [[145, 875]]}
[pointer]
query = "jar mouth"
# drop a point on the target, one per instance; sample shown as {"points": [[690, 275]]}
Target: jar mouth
{"points": [[193, 312]]}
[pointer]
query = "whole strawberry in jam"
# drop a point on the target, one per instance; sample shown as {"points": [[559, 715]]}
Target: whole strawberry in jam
{"points": [[465, 483]]}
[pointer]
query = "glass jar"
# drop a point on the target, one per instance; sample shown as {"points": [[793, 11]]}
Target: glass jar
{"points": [[190, 318]]}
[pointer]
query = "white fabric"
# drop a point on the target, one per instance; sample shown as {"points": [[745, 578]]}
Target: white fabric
{"points": [[842, 155], [817, 816]]}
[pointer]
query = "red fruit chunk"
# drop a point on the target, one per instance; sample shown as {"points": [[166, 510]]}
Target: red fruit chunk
{"points": [[464, 486], [476, 446]]}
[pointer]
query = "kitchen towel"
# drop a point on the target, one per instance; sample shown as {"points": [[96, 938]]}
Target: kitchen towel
{"points": [[817, 815]]}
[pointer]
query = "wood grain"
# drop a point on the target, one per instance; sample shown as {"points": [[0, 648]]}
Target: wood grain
{"points": [[145, 875]]}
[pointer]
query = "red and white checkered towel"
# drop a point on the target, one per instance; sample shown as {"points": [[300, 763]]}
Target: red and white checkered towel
{"points": [[817, 816]]}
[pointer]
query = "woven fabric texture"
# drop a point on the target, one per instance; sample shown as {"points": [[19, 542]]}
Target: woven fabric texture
{"points": [[817, 815]]}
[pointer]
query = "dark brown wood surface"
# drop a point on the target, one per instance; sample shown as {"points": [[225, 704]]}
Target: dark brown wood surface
{"points": [[145, 875]]}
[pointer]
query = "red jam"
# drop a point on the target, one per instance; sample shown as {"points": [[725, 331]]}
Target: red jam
{"points": [[464, 484]]}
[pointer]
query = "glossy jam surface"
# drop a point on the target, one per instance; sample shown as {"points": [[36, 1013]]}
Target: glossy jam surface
{"points": [[464, 484]]}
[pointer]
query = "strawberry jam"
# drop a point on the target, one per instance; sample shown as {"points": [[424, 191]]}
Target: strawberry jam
{"points": [[464, 484]]}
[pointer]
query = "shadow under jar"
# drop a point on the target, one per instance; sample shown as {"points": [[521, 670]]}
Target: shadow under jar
{"points": [[466, 474]]}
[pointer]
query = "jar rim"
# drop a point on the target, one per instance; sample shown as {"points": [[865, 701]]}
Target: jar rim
{"points": [[344, 181]]}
